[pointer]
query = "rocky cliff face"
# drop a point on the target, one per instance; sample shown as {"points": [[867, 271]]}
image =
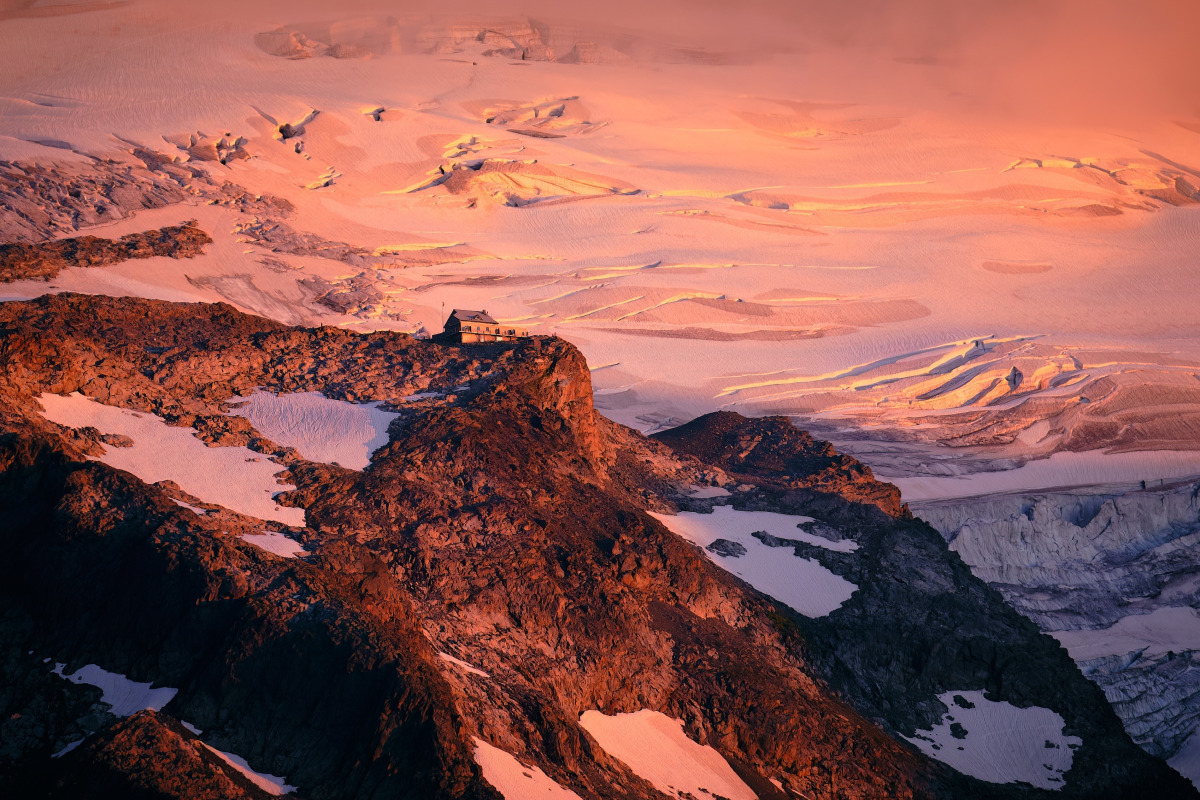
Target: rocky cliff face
{"points": [[491, 575], [1114, 576], [770, 451]]}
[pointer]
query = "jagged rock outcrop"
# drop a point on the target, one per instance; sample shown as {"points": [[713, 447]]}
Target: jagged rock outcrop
{"points": [[771, 451], [504, 527], [24, 261]]}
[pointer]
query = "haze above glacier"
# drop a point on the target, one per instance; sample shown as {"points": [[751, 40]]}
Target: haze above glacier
{"points": [[840, 216]]}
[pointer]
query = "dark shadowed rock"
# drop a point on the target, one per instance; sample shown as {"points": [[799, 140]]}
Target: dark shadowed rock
{"points": [[771, 451], [724, 547]]}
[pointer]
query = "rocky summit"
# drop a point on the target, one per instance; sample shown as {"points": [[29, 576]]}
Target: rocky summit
{"points": [[445, 622]]}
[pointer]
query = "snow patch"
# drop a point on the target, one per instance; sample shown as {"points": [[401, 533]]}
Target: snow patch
{"points": [[197, 511], [1000, 743], [271, 784], [320, 429], [463, 665], [801, 583], [655, 747], [277, 543], [726, 521], [125, 696], [234, 477], [68, 748], [513, 779]]}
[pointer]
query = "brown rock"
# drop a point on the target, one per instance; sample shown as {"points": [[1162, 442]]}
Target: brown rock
{"points": [[45, 260]]}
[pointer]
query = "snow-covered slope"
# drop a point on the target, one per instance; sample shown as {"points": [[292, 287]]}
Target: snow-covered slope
{"points": [[735, 540], [998, 742], [656, 748], [321, 429], [234, 477]]}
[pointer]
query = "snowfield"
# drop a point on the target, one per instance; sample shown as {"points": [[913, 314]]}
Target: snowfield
{"points": [[276, 543], [234, 477], [655, 747], [998, 742], [801, 583], [513, 779], [200, 512], [1112, 574], [125, 696], [320, 429], [129, 697], [271, 784], [727, 521]]}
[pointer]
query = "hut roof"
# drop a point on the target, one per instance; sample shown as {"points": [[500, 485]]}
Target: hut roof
{"points": [[463, 315]]}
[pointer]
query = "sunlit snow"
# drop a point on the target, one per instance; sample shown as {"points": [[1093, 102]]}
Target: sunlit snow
{"points": [[801, 583], [271, 784], [463, 665], [513, 779], [277, 543], [321, 429], [703, 492], [722, 221], [1000, 743], [655, 747], [234, 477], [197, 511]]}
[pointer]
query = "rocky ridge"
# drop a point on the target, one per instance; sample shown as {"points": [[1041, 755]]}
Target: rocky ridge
{"points": [[503, 525], [150, 756], [22, 261], [772, 452]]}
